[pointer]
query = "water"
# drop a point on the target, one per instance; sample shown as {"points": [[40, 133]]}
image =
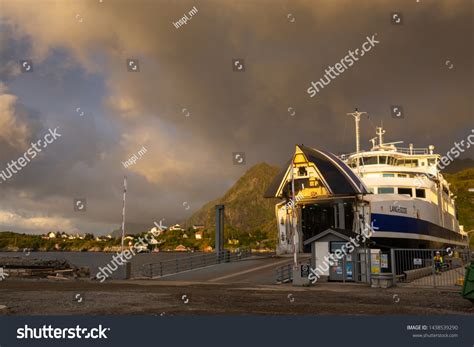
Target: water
{"points": [[94, 260]]}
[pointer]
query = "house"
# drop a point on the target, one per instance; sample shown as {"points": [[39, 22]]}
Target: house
{"points": [[51, 235], [180, 248], [185, 236], [207, 249], [64, 236], [198, 226], [176, 227], [198, 235]]}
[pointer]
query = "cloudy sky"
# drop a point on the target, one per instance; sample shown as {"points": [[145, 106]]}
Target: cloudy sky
{"points": [[189, 108]]}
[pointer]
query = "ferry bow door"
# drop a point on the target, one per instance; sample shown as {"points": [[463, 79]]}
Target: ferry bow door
{"points": [[342, 269]]}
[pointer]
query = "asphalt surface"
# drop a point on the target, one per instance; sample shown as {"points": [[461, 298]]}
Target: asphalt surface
{"points": [[255, 270]]}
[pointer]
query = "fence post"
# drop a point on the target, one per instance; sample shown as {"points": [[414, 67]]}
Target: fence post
{"points": [[151, 270], [433, 272], [161, 269], [392, 261]]}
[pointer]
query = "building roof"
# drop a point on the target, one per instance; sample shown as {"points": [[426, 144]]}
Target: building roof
{"points": [[344, 234], [339, 177]]}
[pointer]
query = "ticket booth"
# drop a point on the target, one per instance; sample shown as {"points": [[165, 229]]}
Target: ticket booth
{"points": [[345, 264]]}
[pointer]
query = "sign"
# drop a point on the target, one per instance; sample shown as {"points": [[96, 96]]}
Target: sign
{"points": [[349, 271], [384, 261], [304, 270], [417, 261], [398, 209], [375, 261]]}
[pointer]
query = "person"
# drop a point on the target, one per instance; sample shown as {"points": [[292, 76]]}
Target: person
{"points": [[438, 261]]}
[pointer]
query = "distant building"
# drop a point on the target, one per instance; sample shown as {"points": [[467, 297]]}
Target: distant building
{"points": [[176, 227], [198, 226], [180, 248], [198, 235], [51, 235], [185, 236]]}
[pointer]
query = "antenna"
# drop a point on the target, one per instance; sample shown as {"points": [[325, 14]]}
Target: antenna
{"points": [[356, 116], [380, 132]]}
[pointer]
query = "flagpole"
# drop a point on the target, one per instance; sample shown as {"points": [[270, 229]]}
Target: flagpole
{"points": [[293, 216], [123, 212]]}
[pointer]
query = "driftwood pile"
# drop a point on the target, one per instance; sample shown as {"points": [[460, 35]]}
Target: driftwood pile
{"points": [[52, 269]]}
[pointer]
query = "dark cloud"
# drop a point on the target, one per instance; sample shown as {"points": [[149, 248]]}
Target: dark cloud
{"points": [[189, 158]]}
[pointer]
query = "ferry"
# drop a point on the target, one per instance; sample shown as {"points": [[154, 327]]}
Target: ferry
{"points": [[397, 194]]}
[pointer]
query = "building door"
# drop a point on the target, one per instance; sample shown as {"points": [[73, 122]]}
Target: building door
{"points": [[342, 269]]}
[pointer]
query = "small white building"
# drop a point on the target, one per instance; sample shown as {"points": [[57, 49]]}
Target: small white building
{"points": [[176, 227], [51, 235]]}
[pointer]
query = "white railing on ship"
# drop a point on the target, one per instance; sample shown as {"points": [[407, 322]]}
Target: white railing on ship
{"points": [[416, 151]]}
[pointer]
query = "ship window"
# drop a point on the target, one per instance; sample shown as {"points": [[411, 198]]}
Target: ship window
{"points": [[388, 175], [405, 191], [391, 161], [431, 161], [420, 193], [408, 162], [385, 190], [383, 160], [402, 175], [370, 160], [302, 171]]}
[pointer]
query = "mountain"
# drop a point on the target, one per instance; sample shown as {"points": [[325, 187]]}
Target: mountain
{"points": [[131, 229], [247, 212], [459, 165], [460, 184]]}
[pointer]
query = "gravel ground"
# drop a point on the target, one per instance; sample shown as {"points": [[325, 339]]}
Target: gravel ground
{"points": [[42, 297]]}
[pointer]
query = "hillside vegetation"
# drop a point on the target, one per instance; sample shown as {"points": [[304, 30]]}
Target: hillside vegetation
{"points": [[249, 217]]}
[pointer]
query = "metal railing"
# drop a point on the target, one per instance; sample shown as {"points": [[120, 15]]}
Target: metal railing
{"points": [[284, 273], [419, 267], [173, 266], [403, 150]]}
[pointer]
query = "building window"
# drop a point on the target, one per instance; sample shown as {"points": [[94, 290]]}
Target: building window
{"points": [[405, 191], [385, 190], [420, 193]]}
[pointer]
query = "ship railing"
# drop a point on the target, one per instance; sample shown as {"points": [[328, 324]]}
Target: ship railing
{"points": [[403, 150], [173, 266]]}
